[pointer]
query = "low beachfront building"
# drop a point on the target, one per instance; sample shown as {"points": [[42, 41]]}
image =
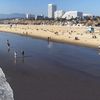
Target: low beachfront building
{"points": [[59, 14], [39, 17], [72, 14], [30, 16], [87, 15]]}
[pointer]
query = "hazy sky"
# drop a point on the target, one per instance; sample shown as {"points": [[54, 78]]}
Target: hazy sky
{"points": [[40, 6]]}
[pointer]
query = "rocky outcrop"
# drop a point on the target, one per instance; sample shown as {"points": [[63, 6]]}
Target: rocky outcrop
{"points": [[6, 92]]}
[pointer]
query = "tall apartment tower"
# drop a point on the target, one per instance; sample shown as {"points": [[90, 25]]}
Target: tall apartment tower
{"points": [[51, 10]]}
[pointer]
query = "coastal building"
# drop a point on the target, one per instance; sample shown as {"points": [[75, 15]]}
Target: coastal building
{"points": [[72, 14], [87, 15], [51, 10], [39, 17], [30, 16], [59, 14]]}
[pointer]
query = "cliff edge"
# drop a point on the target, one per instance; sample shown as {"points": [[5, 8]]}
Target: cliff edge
{"points": [[6, 92]]}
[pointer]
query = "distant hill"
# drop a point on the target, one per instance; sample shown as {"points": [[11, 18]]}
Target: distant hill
{"points": [[13, 15]]}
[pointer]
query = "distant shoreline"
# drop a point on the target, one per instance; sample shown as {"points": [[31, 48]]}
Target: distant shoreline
{"points": [[61, 34]]}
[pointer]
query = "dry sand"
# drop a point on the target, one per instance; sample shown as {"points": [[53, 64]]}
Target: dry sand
{"points": [[64, 34]]}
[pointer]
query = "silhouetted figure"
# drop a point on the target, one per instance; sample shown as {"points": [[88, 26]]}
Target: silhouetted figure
{"points": [[94, 36], [48, 38], [8, 43], [23, 56], [11, 26], [23, 53]]}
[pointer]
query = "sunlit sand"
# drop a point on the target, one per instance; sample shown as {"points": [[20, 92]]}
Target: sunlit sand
{"points": [[67, 34]]}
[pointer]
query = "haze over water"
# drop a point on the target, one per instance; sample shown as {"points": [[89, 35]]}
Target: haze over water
{"points": [[50, 71]]}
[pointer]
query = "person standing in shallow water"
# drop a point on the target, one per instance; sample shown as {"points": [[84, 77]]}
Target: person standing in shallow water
{"points": [[8, 43], [15, 56], [48, 38], [23, 56], [23, 53]]}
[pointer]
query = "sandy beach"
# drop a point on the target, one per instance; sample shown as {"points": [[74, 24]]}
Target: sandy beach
{"points": [[65, 34]]}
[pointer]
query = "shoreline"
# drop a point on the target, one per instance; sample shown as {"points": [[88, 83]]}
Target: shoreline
{"points": [[35, 32]]}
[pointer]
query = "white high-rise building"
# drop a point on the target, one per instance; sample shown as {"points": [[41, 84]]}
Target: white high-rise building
{"points": [[51, 10], [59, 14]]}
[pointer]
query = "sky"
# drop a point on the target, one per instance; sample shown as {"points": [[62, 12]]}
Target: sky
{"points": [[40, 6]]}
